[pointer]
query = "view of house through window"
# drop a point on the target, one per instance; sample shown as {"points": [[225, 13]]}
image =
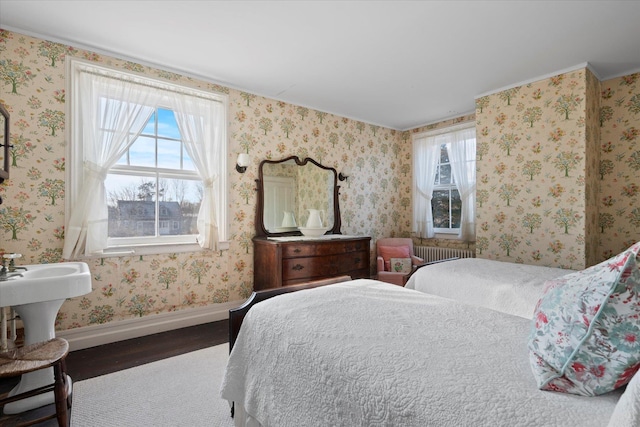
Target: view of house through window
{"points": [[147, 165], [154, 189]]}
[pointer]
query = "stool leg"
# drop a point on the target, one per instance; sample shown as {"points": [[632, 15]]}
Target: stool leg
{"points": [[69, 384], [3, 329], [61, 395]]}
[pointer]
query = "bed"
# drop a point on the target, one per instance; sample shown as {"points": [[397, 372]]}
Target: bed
{"points": [[503, 286], [368, 353]]}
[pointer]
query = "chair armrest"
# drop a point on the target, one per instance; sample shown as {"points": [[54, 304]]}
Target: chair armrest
{"points": [[416, 260], [380, 262]]}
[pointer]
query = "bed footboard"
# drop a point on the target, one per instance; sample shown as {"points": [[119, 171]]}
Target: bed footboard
{"points": [[236, 315], [406, 278]]}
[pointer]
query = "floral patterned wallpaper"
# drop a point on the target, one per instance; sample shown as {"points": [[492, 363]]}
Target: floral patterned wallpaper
{"points": [[619, 167], [536, 182], [531, 172], [547, 151], [592, 179], [375, 201]]}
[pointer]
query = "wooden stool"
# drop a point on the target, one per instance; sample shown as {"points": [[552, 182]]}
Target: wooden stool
{"points": [[34, 357]]}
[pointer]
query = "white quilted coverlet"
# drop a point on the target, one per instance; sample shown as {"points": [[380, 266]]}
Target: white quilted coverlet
{"points": [[367, 353], [504, 286]]}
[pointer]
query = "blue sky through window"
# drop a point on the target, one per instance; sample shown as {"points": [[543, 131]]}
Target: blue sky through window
{"points": [[158, 146]]}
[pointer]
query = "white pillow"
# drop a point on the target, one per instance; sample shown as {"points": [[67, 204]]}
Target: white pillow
{"points": [[627, 410]]}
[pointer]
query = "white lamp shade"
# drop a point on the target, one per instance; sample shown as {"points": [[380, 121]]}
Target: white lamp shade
{"points": [[243, 160]]}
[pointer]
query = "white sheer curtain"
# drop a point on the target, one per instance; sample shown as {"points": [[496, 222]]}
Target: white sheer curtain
{"points": [[110, 111], [201, 120], [425, 160], [461, 147]]}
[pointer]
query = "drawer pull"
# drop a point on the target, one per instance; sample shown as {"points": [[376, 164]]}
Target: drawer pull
{"points": [[298, 267], [356, 260], [297, 250]]}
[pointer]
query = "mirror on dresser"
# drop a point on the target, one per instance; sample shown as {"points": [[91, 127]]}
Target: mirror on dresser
{"points": [[289, 189]]}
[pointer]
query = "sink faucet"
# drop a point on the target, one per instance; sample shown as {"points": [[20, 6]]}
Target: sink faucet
{"points": [[9, 272]]}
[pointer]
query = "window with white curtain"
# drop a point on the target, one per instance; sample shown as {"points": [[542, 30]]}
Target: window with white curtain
{"points": [[143, 154], [444, 182]]}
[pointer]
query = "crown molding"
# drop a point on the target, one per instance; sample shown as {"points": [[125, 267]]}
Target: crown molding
{"points": [[543, 77]]}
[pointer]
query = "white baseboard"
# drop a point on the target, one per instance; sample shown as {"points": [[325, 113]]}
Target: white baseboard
{"points": [[91, 336]]}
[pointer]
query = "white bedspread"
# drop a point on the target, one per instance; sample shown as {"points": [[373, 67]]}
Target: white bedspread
{"points": [[504, 286], [367, 353]]}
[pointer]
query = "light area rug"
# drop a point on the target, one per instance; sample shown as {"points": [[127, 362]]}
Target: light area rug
{"points": [[180, 391]]}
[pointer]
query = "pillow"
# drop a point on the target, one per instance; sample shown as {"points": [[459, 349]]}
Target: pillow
{"points": [[585, 337], [388, 252], [400, 265]]}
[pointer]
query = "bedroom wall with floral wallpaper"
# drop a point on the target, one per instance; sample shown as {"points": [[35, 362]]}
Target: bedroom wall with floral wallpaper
{"points": [[531, 156], [539, 199], [557, 168], [375, 200], [619, 167]]}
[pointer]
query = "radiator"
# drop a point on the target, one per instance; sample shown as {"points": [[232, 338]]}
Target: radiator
{"points": [[434, 253]]}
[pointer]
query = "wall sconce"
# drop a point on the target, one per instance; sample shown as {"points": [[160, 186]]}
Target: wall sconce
{"points": [[242, 162], [346, 173]]}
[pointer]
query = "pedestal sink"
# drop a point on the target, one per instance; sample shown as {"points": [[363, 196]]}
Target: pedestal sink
{"points": [[37, 295]]}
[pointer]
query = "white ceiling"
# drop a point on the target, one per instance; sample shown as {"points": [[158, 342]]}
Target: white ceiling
{"points": [[398, 64]]}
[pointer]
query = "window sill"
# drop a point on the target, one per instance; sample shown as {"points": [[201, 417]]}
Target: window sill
{"points": [[173, 248], [450, 235]]}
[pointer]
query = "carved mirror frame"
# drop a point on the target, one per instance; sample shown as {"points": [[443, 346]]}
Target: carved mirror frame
{"points": [[4, 145], [261, 230]]}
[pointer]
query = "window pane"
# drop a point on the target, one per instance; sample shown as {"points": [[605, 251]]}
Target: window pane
{"points": [[444, 154], [143, 152], [124, 160], [169, 154], [445, 174], [131, 205], [167, 125], [456, 208], [179, 205], [440, 208], [187, 163], [150, 127]]}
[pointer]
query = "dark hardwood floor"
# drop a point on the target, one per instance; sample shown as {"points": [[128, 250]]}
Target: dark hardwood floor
{"points": [[101, 360], [104, 359]]}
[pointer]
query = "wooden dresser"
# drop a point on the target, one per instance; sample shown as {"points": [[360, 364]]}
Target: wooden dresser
{"points": [[283, 263]]}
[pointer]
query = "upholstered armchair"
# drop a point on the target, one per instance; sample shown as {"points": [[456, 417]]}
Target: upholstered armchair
{"points": [[395, 259]]}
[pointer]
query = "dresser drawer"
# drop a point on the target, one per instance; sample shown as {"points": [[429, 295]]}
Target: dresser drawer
{"points": [[323, 266], [295, 250], [278, 263]]}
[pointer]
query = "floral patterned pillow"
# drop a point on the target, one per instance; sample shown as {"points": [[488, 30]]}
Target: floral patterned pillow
{"points": [[585, 337]]}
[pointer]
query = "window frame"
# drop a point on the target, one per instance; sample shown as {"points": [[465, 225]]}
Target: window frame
{"points": [[75, 166], [446, 233], [154, 173]]}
